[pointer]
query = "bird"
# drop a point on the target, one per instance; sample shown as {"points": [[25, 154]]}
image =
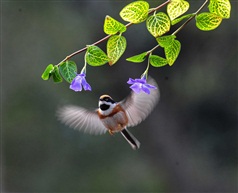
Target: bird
{"points": [[111, 116]]}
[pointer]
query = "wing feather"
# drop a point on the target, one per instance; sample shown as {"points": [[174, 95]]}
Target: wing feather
{"points": [[139, 106], [81, 119]]}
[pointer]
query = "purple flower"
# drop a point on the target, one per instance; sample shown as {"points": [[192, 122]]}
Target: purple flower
{"points": [[78, 82], [139, 85]]}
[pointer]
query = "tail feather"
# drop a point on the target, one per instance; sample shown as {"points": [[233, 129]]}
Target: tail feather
{"points": [[135, 144]]}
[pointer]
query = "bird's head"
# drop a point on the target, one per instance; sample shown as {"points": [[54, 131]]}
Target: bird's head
{"points": [[106, 104]]}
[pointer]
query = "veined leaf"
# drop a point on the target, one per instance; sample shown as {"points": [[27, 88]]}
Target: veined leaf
{"points": [[68, 70], [176, 8], [47, 73], [112, 26], [116, 45], [95, 56], [172, 52], [137, 58], [220, 7], [175, 21], [135, 12], [208, 21], [56, 75], [158, 24], [157, 61], [165, 41]]}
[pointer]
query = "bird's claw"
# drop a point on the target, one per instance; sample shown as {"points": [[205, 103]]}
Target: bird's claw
{"points": [[110, 132]]}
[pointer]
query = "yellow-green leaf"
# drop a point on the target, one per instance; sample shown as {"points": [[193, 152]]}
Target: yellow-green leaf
{"points": [[95, 56], [135, 12], [158, 24], [47, 72], [112, 26], [165, 41], [177, 20], [56, 75], [172, 52], [208, 21], [68, 70], [116, 45], [220, 7], [157, 61], [176, 8], [137, 58]]}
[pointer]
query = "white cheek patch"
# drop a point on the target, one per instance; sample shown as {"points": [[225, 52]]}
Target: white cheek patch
{"points": [[108, 111]]}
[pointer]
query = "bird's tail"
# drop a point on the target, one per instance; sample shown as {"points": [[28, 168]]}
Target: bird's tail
{"points": [[135, 144]]}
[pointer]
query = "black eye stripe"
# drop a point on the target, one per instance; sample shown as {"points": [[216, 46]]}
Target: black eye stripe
{"points": [[107, 99]]}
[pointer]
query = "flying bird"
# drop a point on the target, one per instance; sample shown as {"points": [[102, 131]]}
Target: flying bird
{"points": [[112, 116]]}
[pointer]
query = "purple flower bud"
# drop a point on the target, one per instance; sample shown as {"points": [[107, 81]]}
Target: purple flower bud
{"points": [[80, 82], [139, 85]]}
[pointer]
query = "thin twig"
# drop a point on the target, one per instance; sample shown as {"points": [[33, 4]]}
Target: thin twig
{"points": [[182, 26], [106, 37], [189, 19]]}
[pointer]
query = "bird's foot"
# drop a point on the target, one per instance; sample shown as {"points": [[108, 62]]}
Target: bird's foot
{"points": [[110, 132]]}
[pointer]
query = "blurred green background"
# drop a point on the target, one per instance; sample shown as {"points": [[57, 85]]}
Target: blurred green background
{"points": [[188, 143]]}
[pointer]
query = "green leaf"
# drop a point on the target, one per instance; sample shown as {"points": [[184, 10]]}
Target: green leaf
{"points": [[112, 26], [172, 52], [135, 12], [116, 45], [157, 61], [95, 56], [56, 75], [208, 21], [176, 8], [137, 58], [158, 24], [175, 21], [220, 7], [68, 70], [165, 41], [47, 73]]}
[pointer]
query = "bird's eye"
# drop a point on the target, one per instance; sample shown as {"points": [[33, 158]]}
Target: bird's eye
{"points": [[107, 99]]}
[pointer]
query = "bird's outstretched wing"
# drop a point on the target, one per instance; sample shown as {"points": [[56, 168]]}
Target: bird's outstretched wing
{"points": [[139, 106], [81, 119]]}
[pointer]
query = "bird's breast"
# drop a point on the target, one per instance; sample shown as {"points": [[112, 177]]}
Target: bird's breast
{"points": [[116, 120]]}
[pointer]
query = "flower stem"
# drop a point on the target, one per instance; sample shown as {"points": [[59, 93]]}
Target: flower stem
{"points": [[84, 67], [145, 73]]}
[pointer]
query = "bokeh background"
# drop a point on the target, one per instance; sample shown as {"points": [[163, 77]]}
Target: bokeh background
{"points": [[188, 143]]}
